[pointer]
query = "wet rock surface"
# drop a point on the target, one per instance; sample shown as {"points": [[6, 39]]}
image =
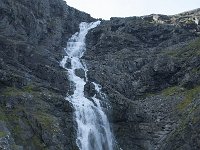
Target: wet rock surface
{"points": [[80, 73], [149, 68], [89, 89]]}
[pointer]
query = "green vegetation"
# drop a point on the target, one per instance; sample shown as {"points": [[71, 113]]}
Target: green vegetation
{"points": [[194, 44], [13, 117], [2, 134], [189, 115], [45, 119], [38, 142], [192, 49], [2, 116], [173, 53], [10, 116], [196, 118], [30, 102], [16, 120], [13, 91], [17, 129], [189, 96], [189, 21], [172, 90], [29, 88], [196, 70]]}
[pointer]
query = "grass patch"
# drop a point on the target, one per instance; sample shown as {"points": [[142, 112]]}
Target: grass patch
{"points": [[172, 53], [196, 70], [194, 44], [2, 116], [13, 91], [29, 88], [196, 118], [11, 116], [192, 49], [17, 130], [189, 96], [172, 90], [2, 134], [38, 142], [45, 119]]}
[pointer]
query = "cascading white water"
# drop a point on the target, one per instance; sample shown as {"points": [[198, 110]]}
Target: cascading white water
{"points": [[93, 127]]}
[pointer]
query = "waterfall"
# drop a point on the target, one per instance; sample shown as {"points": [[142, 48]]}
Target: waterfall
{"points": [[93, 131]]}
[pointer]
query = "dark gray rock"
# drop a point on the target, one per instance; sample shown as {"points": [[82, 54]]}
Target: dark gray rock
{"points": [[6, 140], [80, 73], [136, 59], [68, 64], [89, 89], [33, 86]]}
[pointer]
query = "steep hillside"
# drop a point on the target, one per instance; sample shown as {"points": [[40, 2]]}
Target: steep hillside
{"points": [[33, 111], [149, 68]]}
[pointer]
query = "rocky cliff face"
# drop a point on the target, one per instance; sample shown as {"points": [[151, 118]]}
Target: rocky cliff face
{"points": [[149, 68], [33, 111]]}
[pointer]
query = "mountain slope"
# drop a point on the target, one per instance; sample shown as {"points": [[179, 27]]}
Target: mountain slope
{"points": [[33, 111], [149, 68]]}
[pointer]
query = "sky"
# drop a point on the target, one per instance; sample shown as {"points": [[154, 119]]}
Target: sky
{"points": [[126, 8]]}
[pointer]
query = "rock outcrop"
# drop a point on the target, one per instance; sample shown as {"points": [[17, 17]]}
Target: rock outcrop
{"points": [[149, 68], [33, 111]]}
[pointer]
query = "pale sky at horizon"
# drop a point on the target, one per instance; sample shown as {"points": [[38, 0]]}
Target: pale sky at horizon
{"points": [[126, 8]]}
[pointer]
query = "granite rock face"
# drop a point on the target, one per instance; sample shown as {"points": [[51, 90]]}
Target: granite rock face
{"points": [[149, 68], [33, 111]]}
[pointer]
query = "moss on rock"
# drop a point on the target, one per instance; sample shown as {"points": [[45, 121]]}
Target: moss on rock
{"points": [[2, 134], [38, 143], [191, 49], [172, 90], [189, 96], [47, 121]]}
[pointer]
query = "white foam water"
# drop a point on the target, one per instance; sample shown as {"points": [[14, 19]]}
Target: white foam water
{"points": [[93, 131]]}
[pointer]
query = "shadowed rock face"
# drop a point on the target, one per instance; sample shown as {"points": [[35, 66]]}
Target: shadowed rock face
{"points": [[149, 68], [33, 111]]}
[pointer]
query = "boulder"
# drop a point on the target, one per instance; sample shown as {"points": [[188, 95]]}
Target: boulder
{"points": [[80, 73], [89, 89]]}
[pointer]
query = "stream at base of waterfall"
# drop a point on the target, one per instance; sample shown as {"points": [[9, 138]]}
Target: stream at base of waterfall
{"points": [[93, 129]]}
